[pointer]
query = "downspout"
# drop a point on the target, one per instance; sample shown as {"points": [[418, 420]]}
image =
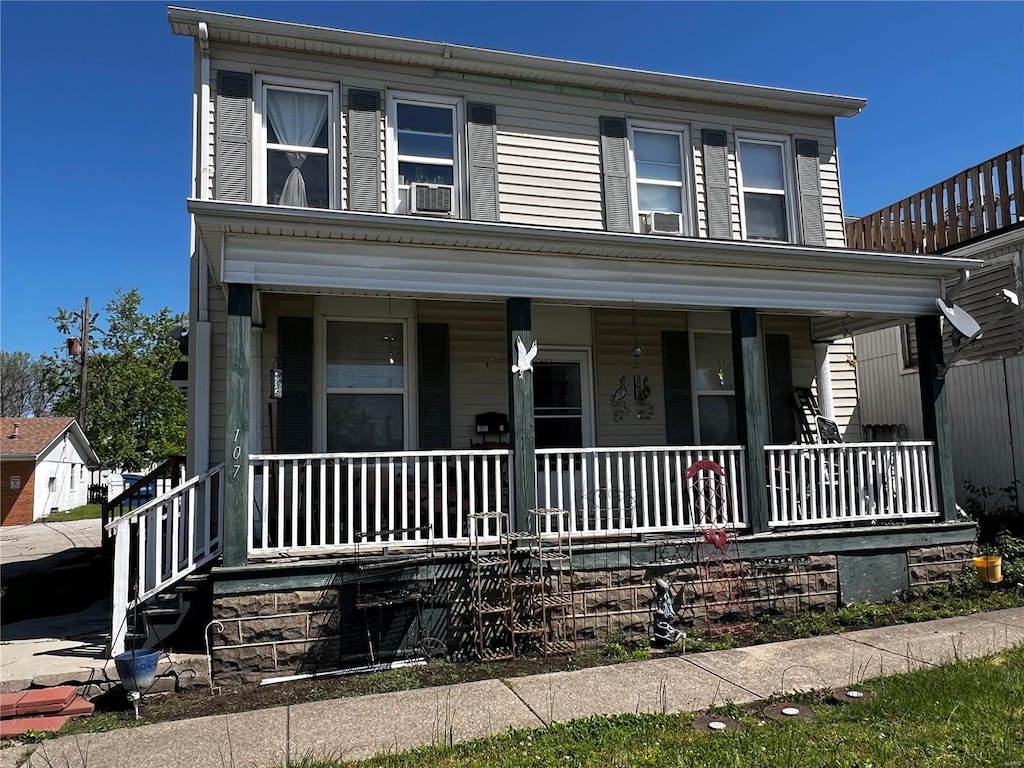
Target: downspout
{"points": [[199, 332]]}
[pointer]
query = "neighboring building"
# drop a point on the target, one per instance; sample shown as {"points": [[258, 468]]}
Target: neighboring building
{"points": [[44, 467], [986, 383], [384, 226]]}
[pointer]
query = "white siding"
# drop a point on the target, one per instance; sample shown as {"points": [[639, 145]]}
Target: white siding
{"points": [[889, 393], [478, 359], [847, 413], [548, 144], [614, 361], [66, 466]]}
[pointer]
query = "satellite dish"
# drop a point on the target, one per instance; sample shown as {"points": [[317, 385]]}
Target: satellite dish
{"points": [[962, 322]]}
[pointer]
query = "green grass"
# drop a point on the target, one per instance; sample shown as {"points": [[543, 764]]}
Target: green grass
{"points": [[969, 713], [85, 512]]}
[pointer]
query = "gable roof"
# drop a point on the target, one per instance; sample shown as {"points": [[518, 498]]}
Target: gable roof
{"points": [[35, 435]]}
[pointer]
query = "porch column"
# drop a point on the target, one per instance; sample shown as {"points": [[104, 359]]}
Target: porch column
{"points": [[935, 410], [524, 462], [751, 411], [825, 401], [236, 422]]}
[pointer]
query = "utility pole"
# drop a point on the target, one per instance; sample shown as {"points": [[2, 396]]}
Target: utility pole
{"points": [[85, 364]]}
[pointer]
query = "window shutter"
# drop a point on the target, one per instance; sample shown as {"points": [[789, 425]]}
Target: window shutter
{"points": [[716, 183], [675, 360], [364, 150], [295, 408], [233, 177], [434, 387], [483, 162], [809, 183], [779, 365], [615, 175]]}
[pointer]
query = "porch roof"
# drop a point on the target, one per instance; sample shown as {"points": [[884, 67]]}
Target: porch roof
{"points": [[281, 248]]}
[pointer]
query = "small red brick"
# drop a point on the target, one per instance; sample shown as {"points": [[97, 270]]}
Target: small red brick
{"points": [[78, 707], [9, 703], [11, 729], [45, 701]]}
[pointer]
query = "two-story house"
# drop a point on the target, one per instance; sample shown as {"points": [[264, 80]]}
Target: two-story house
{"points": [[382, 230]]}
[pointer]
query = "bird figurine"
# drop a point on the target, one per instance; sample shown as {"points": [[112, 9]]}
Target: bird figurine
{"points": [[716, 536], [645, 390], [620, 393], [525, 361]]}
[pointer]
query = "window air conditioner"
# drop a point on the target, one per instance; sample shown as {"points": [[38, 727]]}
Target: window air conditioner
{"points": [[654, 223], [431, 198]]}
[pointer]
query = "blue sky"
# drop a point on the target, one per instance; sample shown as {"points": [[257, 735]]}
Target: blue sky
{"points": [[95, 110]]}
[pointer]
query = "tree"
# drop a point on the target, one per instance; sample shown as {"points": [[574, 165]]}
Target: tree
{"points": [[24, 388], [134, 416]]}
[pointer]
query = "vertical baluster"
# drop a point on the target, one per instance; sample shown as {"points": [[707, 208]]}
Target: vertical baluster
{"points": [[604, 488], [458, 497], [143, 560], [620, 498], [417, 498], [364, 500], [666, 484], [659, 510], [350, 506], [678, 487], [486, 484], [557, 499], [432, 517], [644, 493], [773, 498], [631, 500], [175, 550], [321, 537], [584, 489], [390, 491], [792, 513], [739, 489], [336, 502], [190, 529]]}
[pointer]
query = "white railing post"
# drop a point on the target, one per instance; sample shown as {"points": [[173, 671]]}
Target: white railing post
{"points": [[121, 587]]}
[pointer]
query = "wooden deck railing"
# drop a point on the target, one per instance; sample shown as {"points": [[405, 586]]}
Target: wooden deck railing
{"points": [[985, 198]]}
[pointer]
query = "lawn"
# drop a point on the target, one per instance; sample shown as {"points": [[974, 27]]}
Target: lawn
{"points": [[85, 512], [970, 713]]}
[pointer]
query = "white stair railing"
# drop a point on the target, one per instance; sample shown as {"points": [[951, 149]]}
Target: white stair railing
{"points": [[840, 483], [161, 543]]}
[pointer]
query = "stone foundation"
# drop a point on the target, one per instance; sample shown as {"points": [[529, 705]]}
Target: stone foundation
{"points": [[931, 566]]}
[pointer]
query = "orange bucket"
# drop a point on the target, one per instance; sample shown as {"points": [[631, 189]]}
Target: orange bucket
{"points": [[990, 568]]}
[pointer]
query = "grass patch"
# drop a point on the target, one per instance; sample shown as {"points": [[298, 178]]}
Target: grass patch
{"points": [[969, 713], [85, 512]]}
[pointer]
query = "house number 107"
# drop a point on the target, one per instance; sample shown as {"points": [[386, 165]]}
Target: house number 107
{"points": [[236, 454]]}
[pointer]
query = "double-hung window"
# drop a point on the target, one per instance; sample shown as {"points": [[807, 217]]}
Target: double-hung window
{"points": [[765, 188], [424, 148], [660, 175], [366, 384], [299, 121]]}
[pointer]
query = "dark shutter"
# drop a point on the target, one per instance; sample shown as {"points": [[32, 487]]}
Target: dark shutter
{"points": [[295, 408], [364, 150], [483, 162], [233, 176], [716, 183], [779, 364], [809, 183], [675, 360], [435, 388], [615, 175]]}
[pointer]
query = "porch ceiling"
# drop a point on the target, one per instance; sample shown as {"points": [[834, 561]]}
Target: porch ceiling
{"points": [[346, 251]]}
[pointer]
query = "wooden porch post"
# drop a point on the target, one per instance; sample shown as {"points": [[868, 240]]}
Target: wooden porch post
{"points": [[236, 434], [935, 410], [524, 462], [751, 411]]}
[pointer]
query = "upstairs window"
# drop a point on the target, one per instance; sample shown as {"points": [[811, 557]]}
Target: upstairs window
{"points": [[424, 149], [298, 145], [660, 174], [765, 188]]}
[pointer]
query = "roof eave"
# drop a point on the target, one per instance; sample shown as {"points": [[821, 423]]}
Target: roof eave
{"points": [[391, 227], [185, 21]]}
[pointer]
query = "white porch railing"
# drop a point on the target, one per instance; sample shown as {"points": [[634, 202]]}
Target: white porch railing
{"points": [[850, 482], [161, 543], [342, 501], [635, 490]]}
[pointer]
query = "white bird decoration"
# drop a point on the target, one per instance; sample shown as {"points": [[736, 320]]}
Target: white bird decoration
{"points": [[525, 362]]}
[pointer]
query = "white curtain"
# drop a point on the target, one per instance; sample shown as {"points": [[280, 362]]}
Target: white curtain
{"points": [[297, 119]]}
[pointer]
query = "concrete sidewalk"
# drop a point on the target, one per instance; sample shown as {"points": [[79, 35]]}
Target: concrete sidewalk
{"points": [[361, 727]]}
